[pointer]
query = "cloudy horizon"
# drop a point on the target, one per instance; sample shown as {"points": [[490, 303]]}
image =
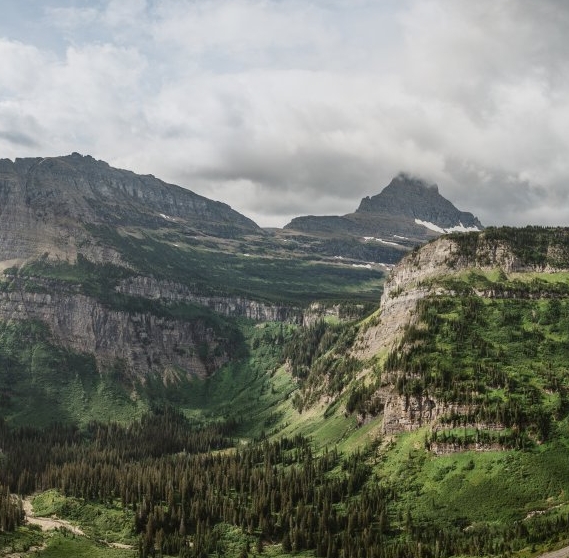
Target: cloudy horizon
{"points": [[283, 108]]}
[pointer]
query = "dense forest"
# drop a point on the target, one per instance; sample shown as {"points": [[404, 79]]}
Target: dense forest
{"points": [[182, 482]]}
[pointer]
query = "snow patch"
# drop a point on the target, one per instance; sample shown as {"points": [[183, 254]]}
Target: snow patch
{"points": [[366, 266], [430, 226], [457, 228], [371, 238], [461, 228], [401, 237], [167, 217]]}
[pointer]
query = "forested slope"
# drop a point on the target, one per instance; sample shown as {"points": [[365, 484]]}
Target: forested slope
{"points": [[437, 426]]}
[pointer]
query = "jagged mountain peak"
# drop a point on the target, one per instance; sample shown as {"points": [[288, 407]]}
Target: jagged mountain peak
{"points": [[401, 186], [414, 198], [408, 210]]}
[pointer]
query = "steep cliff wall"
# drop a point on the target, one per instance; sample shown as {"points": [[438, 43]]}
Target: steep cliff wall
{"points": [[153, 289], [145, 343], [402, 290]]}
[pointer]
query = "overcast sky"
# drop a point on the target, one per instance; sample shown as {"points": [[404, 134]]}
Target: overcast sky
{"points": [[292, 107]]}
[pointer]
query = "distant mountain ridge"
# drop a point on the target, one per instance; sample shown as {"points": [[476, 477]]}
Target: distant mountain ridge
{"points": [[407, 209], [45, 202], [48, 204]]}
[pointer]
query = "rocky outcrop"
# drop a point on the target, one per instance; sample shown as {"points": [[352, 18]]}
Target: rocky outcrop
{"points": [[153, 289], [145, 343], [406, 413], [405, 286]]}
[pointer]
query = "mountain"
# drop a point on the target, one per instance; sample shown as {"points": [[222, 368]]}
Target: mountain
{"points": [[45, 204], [128, 278], [412, 198], [175, 380], [404, 214], [465, 312], [74, 209]]}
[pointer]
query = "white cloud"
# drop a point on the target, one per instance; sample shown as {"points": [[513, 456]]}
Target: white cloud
{"points": [[287, 107], [20, 66]]}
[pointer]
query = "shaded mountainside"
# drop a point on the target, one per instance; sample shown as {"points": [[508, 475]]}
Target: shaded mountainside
{"points": [[55, 218]]}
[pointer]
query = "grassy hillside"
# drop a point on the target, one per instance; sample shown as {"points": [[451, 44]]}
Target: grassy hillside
{"points": [[502, 360], [257, 267]]}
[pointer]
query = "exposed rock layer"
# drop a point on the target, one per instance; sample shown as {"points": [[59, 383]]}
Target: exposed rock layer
{"points": [[143, 342], [150, 288]]}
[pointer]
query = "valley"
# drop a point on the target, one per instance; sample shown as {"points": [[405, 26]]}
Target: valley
{"points": [[176, 381]]}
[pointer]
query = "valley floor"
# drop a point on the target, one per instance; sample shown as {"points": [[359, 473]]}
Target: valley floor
{"points": [[48, 523]]}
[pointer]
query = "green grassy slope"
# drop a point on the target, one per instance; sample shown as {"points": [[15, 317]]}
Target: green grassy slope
{"points": [[255, 268], [41, 383], [504, 360]]}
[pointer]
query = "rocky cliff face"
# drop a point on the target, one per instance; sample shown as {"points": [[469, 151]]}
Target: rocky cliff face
{"points": [[144, 343], [417, 276], [411, 279], [237, 307], [402, 291]]}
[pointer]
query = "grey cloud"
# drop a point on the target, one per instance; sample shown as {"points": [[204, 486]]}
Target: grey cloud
{"points": [[18, 138], [306, 171], [494, 195]]}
